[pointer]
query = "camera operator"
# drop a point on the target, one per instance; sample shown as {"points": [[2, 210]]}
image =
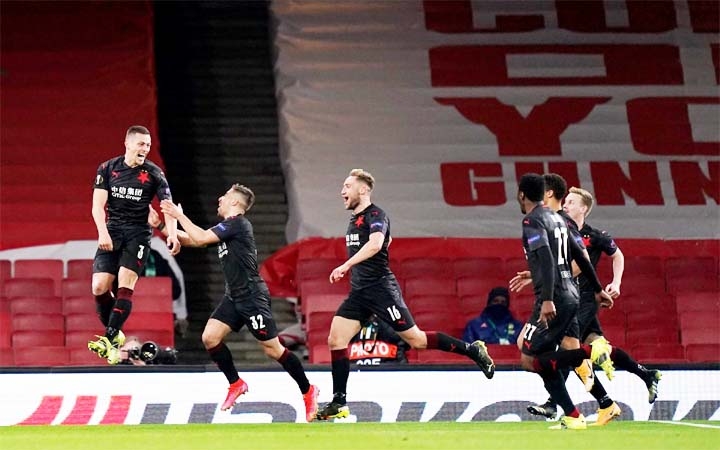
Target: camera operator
{"points": [[137, 353]]}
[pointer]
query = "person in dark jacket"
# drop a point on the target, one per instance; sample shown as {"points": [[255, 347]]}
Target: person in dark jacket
{"points": [[496, 324]]}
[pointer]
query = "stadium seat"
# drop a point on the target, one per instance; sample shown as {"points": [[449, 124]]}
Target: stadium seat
{"points": [[323, 286], [615, 334], [152, 303], [84, 357], [5, 269], [319, 354], [159, 286], [7, 357], [429, 286], [5, 330], [79, 305], [648, 266], [522, 306], [698, 301], [149, 321], [698, 327], [662, 353], [317, 327], [487, 267], [682, 274], [440, 320], [34, 322], [80, 268], [504, 354], [641, 284], [78, 339], [163, 338], [430, 303], [34, 338], [321, 302], [440, 357], [36, 305], [703, 353], [638, 303], [41, 356], [473, 304], [478, 286], [515, 265], [4, 304], [663, 321], [611, 315], [434, 267], [666, 333], [318, 268], [41, 268], [22, 287], [76, 287], [87, 322]]}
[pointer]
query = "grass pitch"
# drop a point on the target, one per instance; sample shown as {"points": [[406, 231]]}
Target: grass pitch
{"points": [[363, 436]]}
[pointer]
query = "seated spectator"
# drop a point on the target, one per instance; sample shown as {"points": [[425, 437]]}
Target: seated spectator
{"points": [[495, 324], [377, 343]]}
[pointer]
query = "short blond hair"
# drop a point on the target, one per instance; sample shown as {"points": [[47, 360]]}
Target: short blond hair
{"points": [[245, 192], [364, 176], [585, 196]]}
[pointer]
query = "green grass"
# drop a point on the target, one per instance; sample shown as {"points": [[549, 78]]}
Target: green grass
{"points": [[361, 436]]}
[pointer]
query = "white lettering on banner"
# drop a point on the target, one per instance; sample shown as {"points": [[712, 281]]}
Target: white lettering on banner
{"points": [[376, 396], [622, 96]]}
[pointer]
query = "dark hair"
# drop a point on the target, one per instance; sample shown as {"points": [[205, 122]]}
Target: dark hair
{"points": [[247, 193], [533, 186], [555, 183], [137, 129]]}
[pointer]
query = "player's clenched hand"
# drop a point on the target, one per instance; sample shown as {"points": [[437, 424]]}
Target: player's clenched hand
{"points": [[173, 244], [104, 241], [520, 280], [338, 273], [604, 299], [547, 311], [613, 289]]}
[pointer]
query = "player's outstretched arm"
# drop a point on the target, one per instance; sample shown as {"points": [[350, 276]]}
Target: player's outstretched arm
{"points": [[198, 235]]}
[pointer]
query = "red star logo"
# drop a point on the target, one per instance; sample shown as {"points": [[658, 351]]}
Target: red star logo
{"points": [[586, 241], [114, 174], [359, 221], [144, 177]]}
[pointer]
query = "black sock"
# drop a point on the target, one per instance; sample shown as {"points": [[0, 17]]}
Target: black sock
{"points": [[103, 305], [120, 313], [446, 343], [340, 373], [564, 372], [224, 360], [555, 385], [624, 361], [600, 394], [559, 360], [293, 366]]}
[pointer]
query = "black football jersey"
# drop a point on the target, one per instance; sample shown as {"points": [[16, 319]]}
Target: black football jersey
{"points": [[371, 220], [544, 228], [597, 242], [238, 255], [130, 190]]}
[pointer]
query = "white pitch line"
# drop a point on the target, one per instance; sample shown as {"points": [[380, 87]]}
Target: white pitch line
{"points": [[687, 424]]}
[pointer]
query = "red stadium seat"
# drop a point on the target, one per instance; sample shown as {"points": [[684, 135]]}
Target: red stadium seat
{"points": [[522, 306], [323, 286], [658, 353], [504, 354], [4, 304], [440, 357], [663, 321], [440, 320], [487, 267], [36, 305], [321, 302], [319, 354], [43, 338], [641, 284], [473, 304], [22, 287], [7, 357], [429, 286], [41, 268], [698, 301], [158, 286], [34, 322], [80, 268], [432, 267], [41, 356], [5, 330], [149, 321], [666, 333], [430, 303], [76, 287], [79, 305], [690, 274], [478, 286], [515, 265], [615, 334], [88, 322], [698, 327], [703, 353], [317, 326], [5, 269], [79, 339], [84, 357], [612, 315], [648, 266], [638, 303], [308, 269], [151, 303]]}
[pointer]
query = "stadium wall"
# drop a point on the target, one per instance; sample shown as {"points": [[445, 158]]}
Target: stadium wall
{"points": [[88, 398]]}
